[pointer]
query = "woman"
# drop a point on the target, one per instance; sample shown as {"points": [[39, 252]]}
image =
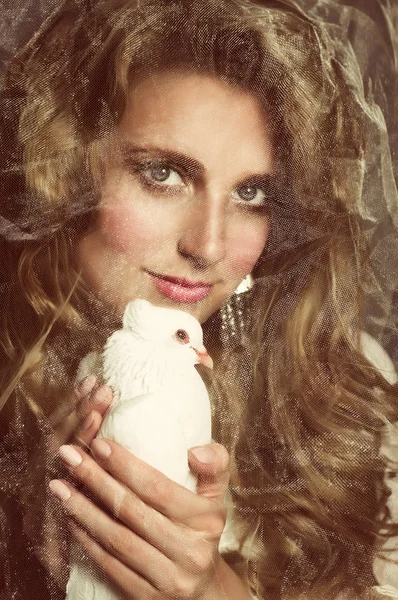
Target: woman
{"points": [[167, 150]]}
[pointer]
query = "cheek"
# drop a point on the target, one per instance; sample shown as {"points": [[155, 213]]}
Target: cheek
{"points": [[123, 227], [245, 248], [131, 226]]}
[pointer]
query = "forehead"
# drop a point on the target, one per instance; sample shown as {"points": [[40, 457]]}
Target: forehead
{"points": [[201, 116]]}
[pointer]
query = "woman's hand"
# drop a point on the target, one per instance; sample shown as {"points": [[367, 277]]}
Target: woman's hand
{"points": [[152, 538], [77, 419]]}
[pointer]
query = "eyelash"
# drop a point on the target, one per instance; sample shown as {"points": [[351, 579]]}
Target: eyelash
{"points": [[169, 189], [152, 184]]}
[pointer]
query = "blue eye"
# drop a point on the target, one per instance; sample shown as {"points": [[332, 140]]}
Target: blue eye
{"points": [[161, 174], [251, 194]]}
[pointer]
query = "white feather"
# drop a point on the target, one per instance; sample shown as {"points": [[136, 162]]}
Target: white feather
{"points": [[160, 408]]}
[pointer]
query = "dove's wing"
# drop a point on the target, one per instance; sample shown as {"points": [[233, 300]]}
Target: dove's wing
{"points": [[147, 426]]}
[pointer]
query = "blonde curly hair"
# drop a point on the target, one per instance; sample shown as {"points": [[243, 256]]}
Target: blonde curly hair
{"points": [[298, 406]]}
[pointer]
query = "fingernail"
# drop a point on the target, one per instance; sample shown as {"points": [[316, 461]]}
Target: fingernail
{"points": [[88, 421], [87, 385], [100, 449], [70, 456], [60, 489], [204, 455], [101, 394]]}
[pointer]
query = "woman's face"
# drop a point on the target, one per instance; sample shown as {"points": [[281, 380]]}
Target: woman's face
{"points": [[182, 218]]}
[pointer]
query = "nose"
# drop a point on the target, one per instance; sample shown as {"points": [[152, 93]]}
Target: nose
{"points": [[203, 240]]}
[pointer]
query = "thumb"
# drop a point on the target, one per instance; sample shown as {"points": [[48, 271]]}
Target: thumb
{"points": [[210, 464]]}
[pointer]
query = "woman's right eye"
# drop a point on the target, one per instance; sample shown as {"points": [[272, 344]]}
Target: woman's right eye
{"points": [[161, 175]]}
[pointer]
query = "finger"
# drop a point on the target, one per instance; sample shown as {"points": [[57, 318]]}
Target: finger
{"points": [[127, 581], [90, 415], [65, 409], [118, 540], [88, 429], [98, 399], [174, 584], [166, 535], [155, 489], [210, 464]]}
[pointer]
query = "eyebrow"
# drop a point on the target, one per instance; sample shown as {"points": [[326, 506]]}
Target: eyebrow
{"points": [[191, 166]]}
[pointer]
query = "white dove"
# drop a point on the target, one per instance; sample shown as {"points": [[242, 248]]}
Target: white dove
{"points": [[160, 405]]}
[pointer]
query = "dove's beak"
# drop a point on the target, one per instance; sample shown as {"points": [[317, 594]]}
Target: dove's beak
{"points": [[204, 357]]}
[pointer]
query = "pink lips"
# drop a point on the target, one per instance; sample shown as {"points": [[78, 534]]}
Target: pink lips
{"points": [[181, 290]]}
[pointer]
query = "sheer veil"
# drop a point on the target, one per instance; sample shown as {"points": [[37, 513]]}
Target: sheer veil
{"points": [[335, 117]]}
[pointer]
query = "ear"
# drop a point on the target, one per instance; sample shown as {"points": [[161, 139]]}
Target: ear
{"points": [[136, 311]]}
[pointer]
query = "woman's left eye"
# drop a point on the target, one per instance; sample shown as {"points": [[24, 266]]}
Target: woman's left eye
{"points": [[161, 174], [250, 194]]}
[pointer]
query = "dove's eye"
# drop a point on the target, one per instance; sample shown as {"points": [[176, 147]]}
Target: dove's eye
{"points": [[182, 336]]}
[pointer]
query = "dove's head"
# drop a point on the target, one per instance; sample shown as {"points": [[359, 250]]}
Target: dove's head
{"points": [[173, 330]]}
